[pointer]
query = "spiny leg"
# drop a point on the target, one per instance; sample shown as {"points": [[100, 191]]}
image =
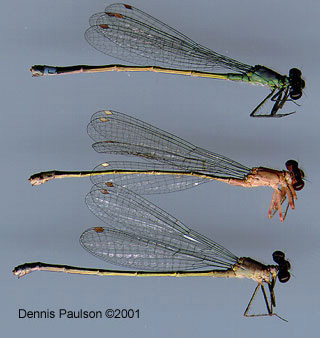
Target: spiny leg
{"points": [[275, 204], [268, 97], [291, 195], [273, 96], [278, 200], [273, 302], [272, 209], [269, 308], [277, 99], [283, 197], [250, 301], [280, 98], [289, 191], [284, 99], [284, 192], [271, 290], [285, 213]]}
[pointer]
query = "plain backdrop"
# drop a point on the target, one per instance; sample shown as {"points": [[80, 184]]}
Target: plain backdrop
{"points": [[43, 126]]}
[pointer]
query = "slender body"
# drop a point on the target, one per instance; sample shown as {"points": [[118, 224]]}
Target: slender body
{"points": [[174, 164], [143, 235], [127, 33]]}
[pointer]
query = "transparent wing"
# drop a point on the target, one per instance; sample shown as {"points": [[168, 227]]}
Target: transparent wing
{"points": [[144, 183], [144, 236], [129, 34], [118, 133]]}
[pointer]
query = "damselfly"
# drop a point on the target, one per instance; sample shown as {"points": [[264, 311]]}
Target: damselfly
{"points": [[142, 236], [182, 165], [129, 34]]}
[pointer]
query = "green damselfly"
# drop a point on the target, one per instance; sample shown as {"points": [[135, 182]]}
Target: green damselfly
{"points": [[129, 34]]}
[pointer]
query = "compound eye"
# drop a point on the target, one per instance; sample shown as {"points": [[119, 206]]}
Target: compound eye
{"points": [[296, 84], [285, 265], [298, 185], [283, 276], [295, 94], [291, 165], [295, 72], [278, 257]]}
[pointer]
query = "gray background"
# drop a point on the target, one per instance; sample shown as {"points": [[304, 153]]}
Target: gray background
{"points": [[43, 127]]}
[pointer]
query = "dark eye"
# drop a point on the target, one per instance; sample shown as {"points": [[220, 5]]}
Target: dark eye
{"points": [[285, 265], [296, 84], [278, 257], [295, 93], [295, 72], [283, 276], [291, 164], [298, 185]]}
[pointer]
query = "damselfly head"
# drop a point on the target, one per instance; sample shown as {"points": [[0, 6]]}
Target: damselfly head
{"points": [[297, 84], [284, 266], [296, 173]]}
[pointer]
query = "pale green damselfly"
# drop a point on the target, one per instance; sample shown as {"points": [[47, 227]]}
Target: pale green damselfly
{"points": [[129, 34]]}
